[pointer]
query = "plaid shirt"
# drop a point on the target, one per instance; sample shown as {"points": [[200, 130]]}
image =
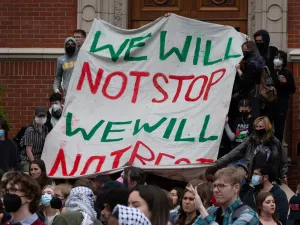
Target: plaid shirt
{"points": [[247, 216]]}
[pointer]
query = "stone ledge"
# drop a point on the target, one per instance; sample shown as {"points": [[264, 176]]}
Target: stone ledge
{"points": [[295, 55], [31, 53]]}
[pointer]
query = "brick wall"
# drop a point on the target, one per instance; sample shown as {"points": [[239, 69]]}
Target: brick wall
{"points": [[27, 84], [293, 23], [294, 42], [36, 23]]}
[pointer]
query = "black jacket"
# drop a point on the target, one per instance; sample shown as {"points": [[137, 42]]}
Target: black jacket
{"points": [[9, 155], [284, 90], [246, 150]]}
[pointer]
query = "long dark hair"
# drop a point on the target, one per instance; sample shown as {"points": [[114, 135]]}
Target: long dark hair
{"points": [[43, 179], [179, 191], [182, 215], [157, 202], [260, 198]]}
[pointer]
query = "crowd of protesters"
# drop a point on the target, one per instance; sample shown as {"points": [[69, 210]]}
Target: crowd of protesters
{"points": [[245, 185]]}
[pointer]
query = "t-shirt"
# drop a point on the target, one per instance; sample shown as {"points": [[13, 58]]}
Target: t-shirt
{"points": [[242, 129]]}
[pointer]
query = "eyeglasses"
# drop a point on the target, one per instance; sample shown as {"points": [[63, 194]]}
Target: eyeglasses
{"points": [[220, 187]]}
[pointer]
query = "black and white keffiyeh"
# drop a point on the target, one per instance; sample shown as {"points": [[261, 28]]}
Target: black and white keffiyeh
{"points": [[130, 216], [81, 199]]}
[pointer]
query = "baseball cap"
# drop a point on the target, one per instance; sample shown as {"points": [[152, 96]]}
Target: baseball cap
{"points": [[294, 205], [40, 111]]}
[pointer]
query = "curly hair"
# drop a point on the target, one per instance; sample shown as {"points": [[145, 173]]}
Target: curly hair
{"points": [[27, 185]]}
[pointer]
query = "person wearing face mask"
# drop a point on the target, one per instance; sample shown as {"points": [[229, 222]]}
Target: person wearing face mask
{"points": [[248, 76], [21, 199], [65, 66], [262, 179], [10, 155], [55, 112], [242, 126], [34, 139], [260, 147], [262, 41], [285, 86], [46, 211]]}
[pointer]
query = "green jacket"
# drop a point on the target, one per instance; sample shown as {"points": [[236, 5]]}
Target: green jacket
{"points": [[71, 218]]}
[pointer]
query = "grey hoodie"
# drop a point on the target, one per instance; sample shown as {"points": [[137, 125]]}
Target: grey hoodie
{"points": [[64, 69]]}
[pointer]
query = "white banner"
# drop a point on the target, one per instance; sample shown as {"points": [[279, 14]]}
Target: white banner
{"points": [[155, 97]]}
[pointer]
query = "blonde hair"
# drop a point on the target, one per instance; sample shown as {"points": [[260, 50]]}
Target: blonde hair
{"points": [[230, 174], [268, 126], [65, 189], [48, 186]]}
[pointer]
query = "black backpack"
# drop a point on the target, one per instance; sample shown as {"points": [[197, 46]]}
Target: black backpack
{"points": [[19, 138]]}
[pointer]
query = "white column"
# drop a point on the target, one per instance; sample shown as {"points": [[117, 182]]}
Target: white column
{"points": [[112, 11], [270, 15]]}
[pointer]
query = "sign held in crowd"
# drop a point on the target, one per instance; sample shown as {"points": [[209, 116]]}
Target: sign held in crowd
{"points": [[155, 97]]}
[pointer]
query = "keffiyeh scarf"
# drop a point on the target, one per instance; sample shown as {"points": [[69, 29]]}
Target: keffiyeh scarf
{"points": [[130, 216]]}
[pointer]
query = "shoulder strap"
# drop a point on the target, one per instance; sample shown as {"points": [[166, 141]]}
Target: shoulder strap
{"points": [[237, 212]]}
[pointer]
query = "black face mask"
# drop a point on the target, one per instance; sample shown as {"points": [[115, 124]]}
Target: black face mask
{"points": [[12, 202], [244, 114], [56, 203], [56, 114], [246, 54], [260, 46], [70, 50], [260, 132]]}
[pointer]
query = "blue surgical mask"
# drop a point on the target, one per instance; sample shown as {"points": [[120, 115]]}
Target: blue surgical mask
{"points": [[255, 180], [2, 133], [46, 198]]}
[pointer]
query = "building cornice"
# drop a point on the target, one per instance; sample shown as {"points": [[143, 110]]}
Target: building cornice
{"points": [[31, 53], [295, 55]]}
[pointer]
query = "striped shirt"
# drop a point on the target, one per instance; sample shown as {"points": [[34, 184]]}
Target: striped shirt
{"points": [[247, 216], [33, 137]]}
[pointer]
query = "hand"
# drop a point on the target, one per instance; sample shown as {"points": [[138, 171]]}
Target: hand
{"points": [[226, 119], [57, 91], [238, 67], [282, 79], [167, 14], [198, 201]]}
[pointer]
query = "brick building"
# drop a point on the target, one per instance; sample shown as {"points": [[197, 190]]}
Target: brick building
{"points": [[33, 33]]}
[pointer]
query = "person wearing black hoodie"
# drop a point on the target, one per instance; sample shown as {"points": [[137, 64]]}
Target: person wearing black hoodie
{"points": [[262, 179], [262, 40], [285, 86]]}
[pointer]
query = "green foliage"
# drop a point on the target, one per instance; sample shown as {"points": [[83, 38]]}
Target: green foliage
{"points": [[2, 113]]}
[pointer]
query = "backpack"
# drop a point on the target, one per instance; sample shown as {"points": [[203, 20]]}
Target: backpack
{"points": [[267, 91], [237, 212], [19, 138]]}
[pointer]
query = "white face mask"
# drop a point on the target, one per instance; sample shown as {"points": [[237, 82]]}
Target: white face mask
{"points": [[40, 120], [56, 107], [277, 62]]}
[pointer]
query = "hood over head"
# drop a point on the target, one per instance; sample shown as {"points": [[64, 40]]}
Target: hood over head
{"points": [[68, 52], [266, 38]]}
